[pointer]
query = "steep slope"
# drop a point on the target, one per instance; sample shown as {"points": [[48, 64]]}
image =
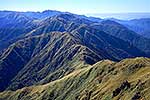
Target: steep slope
{"points": [[14, 25], [62, 22], [102, 43], [14, 59], [50, 55], [79, 27], [120, 31], [105, 80]]}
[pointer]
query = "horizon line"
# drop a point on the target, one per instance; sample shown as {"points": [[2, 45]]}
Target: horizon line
{"points": [[76, 13]]}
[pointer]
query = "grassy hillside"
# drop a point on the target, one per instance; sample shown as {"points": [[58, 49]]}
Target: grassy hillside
{"points": [[106, 80]]}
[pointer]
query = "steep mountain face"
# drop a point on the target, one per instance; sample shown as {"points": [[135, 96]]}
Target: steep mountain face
{"points": [[50, 56], [60, 50], [105, 80], [67, 22], [100, 44], [79, 29], [14, 59], [13, 26], [120, 31], [54, 60]]}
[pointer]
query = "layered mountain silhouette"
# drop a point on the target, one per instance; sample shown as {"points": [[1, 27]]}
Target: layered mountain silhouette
{"points": [[140, 26], [122, 32], [60, 54]]}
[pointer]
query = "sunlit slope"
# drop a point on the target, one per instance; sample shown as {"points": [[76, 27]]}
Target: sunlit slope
{"points": [[106, 80]]}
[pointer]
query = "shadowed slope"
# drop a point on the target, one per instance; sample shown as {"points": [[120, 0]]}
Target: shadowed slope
{"points": [[53, 52], [56, 47], [13, 26], [140, 26], [46, 55], [120, 31]]}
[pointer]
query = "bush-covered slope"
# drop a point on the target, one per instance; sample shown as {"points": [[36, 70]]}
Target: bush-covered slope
{"points": [[106, 80]]}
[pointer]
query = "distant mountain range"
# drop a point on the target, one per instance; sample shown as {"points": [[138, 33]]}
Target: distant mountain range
{"points": [[54, 55], [121, 16], [141, 26]]}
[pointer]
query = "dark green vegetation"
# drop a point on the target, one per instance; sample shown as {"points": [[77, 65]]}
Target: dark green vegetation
{"points": [[54, 55]]}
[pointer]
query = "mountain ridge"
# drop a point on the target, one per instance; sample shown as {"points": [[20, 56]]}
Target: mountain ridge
{"points": [[94, 78], [63, 56]]}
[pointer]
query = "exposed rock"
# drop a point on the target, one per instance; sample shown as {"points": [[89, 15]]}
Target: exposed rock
{"points": [[137, 96], [124, 85]]}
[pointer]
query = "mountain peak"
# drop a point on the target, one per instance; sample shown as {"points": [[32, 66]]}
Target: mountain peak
{"points": [[111, 22], [49, 11], [17, 16], [66, 16]]}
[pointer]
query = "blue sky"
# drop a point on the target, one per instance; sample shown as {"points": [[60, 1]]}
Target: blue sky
{"points": [[78, 6]]}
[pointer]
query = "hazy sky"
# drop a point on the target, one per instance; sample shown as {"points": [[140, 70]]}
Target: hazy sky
{"points": [[78, 6]]}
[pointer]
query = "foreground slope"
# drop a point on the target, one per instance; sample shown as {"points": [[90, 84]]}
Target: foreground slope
{"points": [[106, 80]]}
